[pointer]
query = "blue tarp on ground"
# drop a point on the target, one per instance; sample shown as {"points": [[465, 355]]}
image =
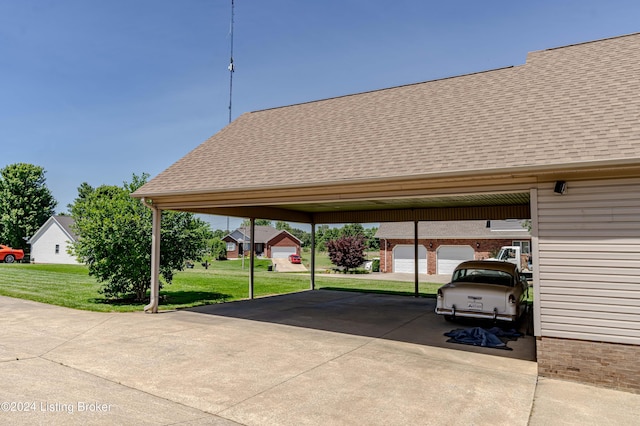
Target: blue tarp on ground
{"points": [[494, 337]]}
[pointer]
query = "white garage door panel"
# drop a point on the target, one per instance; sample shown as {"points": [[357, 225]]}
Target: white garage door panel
{"points": [[451, 256], [282, 252], [403, 259]]}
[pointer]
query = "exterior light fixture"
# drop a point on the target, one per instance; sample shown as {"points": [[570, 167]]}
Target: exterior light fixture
{"points": [[560, 187]]}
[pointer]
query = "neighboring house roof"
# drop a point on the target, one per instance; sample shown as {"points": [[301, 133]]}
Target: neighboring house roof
{"points": [[564, 108], [64, 222], [263, 234], [454, 230]]}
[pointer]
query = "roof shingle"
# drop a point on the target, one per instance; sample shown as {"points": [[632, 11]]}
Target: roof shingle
{"points": [[570, 105], [453, 229]]}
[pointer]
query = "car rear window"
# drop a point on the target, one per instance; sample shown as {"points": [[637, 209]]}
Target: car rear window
{"points": [[488, 276]]}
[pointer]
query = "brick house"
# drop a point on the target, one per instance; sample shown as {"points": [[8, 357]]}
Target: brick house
{"points": [[442, 245], [270, 242]]}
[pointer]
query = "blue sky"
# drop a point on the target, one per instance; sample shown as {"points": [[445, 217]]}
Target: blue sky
{"points": [[95, 90]]}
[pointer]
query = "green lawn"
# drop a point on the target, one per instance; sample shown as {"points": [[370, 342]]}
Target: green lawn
{"points": [[71, 285], [323, 261]]}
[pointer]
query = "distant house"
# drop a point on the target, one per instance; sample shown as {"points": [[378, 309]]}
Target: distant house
{"points": [[442, 245], [269, 242], [50, 243]]}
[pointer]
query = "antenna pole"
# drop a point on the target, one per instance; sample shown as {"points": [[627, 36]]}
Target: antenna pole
{"points": [[231, 67]]}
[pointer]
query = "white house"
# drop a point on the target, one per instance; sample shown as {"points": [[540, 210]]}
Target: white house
{"points": [[51, 242]]}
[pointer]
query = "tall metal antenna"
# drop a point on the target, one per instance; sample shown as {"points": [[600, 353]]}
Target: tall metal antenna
{"points": [[231, 68]]}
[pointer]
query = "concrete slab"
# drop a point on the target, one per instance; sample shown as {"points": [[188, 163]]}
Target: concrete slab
{"points": [[559, 402], [317, 357], [39, 391]]}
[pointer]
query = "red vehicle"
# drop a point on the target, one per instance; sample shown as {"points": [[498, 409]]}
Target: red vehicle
{"points": [[10, 255], [294, 258]]}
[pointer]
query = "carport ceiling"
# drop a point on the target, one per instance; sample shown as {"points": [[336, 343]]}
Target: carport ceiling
{"points": [[514, 205], [413, 203]]}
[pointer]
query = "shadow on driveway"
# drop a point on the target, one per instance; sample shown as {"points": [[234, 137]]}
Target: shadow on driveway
{"points": [[399, 318]]}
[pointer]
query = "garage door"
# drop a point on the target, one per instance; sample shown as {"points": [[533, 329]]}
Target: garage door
{"points": [[403, 259], [451, 256], [282, 252]]}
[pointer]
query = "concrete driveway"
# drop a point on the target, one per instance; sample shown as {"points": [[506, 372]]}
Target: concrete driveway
{"points": [[316, 357], [283, 265]]}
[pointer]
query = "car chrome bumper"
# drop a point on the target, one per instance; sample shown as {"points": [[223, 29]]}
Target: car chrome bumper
{"points": [[475, 314]]}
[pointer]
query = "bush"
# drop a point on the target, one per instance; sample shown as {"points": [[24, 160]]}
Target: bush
{"points": [[218, 249], [346, 252], [375, 265]]}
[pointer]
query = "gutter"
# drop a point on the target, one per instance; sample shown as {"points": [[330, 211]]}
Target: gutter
{"points": [[153, 300], [527, 171]]}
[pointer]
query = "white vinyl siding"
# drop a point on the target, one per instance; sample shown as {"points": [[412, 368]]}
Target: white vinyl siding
{"points": [[589, 261], [51, 245]]}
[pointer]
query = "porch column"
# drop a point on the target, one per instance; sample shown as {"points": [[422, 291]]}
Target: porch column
{"points": [[416, 261], [252, 248], [537, 314], [156, 220], [313, 256]]}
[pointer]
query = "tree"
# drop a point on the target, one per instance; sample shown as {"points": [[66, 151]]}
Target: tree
{"points": [[219, 233], [25, 203], [115, 239], [324, 234], [218, 249], [373, 243], [355, 229], [352, 230], [259, 222], [346, 252], [283, 226], [303, 236]]}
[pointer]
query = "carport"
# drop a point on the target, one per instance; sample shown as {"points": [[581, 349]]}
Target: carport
{"points": [[555, 140]]}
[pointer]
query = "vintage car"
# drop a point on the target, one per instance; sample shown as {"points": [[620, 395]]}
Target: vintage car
{"points": [[484, 289], [10, 255]]}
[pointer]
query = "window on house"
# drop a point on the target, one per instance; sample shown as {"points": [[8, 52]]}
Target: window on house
{"points": [[231, 246], [57, 248], [525, 246]]}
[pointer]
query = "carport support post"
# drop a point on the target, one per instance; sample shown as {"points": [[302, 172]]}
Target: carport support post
{"points": [[251, 256], [313, 256], [156, 220], [416, 261]]}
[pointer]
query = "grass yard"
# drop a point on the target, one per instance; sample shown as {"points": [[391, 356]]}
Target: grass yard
{"points": [[322, 259], [223, 281]]}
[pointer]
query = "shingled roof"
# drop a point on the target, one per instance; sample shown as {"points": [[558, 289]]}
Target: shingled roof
{"points": [[263, 234], [565, 106], [453, 229]]}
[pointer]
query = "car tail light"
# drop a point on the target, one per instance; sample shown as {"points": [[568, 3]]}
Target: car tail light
{"points": [[439, 294], [512, 299]]}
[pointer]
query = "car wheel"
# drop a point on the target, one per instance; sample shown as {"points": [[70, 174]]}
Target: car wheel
{"points": [[9, 258]]}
